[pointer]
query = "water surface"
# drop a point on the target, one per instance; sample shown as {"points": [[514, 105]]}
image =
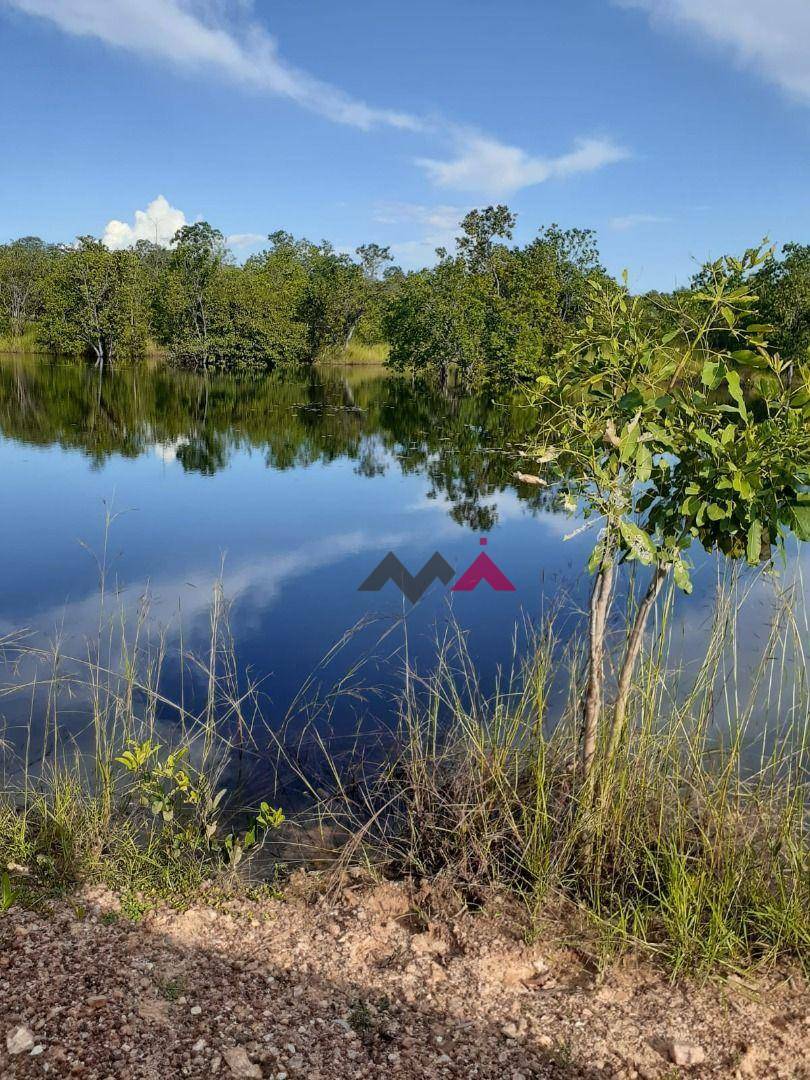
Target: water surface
{"points": [[291, 488]]}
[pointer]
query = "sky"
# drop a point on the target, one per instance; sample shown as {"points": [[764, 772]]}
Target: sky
{"points": [[678, 129]]}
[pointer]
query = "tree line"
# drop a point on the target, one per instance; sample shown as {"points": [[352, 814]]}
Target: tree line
{"points": [[488, 314]]}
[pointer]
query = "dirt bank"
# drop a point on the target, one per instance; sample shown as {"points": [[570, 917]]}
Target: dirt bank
{"points": [[362, 985]]}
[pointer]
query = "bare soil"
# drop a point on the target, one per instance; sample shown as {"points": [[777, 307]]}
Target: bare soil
{"points": [[364, 983]]}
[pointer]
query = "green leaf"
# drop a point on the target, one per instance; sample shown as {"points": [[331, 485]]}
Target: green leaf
{"points": [[801, 518], [639, 544], [643, 463], [712, 373], [734, 388], [714, 512], [631, 401], [628, 442], [680, 572], [707, 439], [754, 545]]}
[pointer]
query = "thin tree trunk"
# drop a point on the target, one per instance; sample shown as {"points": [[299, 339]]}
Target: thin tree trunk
{"points": [[631, 657], [599, 607]]}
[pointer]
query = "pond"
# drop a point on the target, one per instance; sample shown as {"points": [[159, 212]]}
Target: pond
{"points": [[290, 489]]}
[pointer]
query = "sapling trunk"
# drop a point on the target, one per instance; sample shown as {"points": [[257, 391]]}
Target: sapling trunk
{"points": [[597, 624], [631, 658]]}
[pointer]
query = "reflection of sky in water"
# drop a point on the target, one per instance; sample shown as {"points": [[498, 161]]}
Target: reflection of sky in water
{"points": [[295, 544]]}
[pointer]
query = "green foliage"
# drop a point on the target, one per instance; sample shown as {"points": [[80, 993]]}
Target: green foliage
{"points": [[8, 894], [670, 442], [492, 316], [93, 303], [489, 316], [23, 268], [667, 446], [187, 809], [783, 287], [435, 324]]}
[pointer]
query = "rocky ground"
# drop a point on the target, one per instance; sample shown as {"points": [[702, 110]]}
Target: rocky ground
{"points": [[362, 984]]}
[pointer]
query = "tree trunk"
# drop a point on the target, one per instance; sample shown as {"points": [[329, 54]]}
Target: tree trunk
{"points": [[631, 657], [597, 622]]}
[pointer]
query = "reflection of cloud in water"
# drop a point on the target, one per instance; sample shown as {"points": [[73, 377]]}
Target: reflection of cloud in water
{"points": [[171, 603], [167, 451]]}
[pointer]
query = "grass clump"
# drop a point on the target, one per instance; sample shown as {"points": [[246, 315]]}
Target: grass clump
{"points": [[27, 342], [692, 841], [688, 841], [356, 352], [138, 799]]}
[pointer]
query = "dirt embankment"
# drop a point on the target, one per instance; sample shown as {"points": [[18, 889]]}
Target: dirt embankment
{"points": [[362, 986]]}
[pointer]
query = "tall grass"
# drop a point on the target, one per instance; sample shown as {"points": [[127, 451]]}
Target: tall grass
{"points": [[26, 342], [116, 782], [691, 843], [358, 353]]}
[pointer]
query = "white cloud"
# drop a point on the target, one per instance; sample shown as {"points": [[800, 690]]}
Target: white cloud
{"points": [[222, 37], [194, 34], [630, 221], [772, 38], [485, 165], [442, 218], [158, 223], [439, 226], [244, 239]]}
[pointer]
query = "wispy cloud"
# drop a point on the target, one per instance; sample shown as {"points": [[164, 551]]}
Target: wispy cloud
{"points": [[439, 225], [486, 166], [157, 223], [443, 218], [630, 221], [193, 34], [772, 39], [213, 36], [245, 239]]}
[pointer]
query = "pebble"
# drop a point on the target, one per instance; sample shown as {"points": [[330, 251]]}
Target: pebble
{"points": [[240, 1064], [682, 1053], [19, 1039]]}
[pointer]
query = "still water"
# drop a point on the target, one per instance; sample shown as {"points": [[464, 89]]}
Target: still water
{"points": [[291, 489]]}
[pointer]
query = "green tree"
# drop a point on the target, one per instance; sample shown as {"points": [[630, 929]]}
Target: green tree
{"points": [[435, 324], [93, 303], [334, 301], [669, 450], [24, 265], [197, 259], [494, 315], [783, 286]]}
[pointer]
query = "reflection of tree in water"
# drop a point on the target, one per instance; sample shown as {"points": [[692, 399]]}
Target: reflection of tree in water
{"points": [[466, 447]]}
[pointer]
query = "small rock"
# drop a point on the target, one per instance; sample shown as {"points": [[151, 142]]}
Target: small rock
{"points": [[681, 1053], [38, 1049], [748, 1063], [19, 1039], [96, 1001], [195, 1010], [240, 1064]]}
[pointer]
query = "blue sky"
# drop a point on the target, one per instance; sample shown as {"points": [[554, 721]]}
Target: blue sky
{"points": [[678, 129]]}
